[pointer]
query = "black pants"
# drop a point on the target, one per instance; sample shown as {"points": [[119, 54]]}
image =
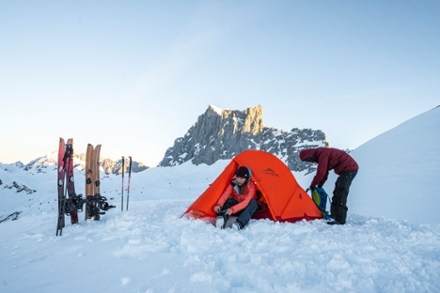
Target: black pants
{"points": [[339, 208], [244, 215]]}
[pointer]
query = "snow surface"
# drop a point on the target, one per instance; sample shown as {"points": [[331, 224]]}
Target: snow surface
{"points": [[391, 242]]}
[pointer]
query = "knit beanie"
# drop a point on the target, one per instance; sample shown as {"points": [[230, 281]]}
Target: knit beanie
{"points": [[242, 172]]}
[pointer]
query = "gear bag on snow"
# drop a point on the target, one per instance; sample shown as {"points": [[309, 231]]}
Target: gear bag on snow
{"points": [[319, 196]]}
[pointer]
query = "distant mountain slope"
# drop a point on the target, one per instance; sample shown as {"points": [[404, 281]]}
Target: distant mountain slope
{"points": [[222, 134], [108, 166]]}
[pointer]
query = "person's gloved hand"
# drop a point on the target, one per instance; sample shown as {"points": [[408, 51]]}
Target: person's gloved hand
{"points": [[228, 212], [217, 208]]}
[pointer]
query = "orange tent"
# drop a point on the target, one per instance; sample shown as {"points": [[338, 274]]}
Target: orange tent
{"points": [[286, 201]]}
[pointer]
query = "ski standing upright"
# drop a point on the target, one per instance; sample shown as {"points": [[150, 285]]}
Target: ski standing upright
{"points": [[72, 203], [89, 181], [61, 175], [95, 203], [75, 200]]}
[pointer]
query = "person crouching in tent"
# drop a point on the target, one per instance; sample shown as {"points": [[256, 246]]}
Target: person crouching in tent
{"points": [[239, 198]]}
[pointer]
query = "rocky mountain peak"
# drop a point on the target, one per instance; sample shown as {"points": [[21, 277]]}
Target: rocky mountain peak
{"points": [[250, 120], [222, 134]]}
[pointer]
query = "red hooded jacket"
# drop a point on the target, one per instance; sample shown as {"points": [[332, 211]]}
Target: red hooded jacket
{"points": [[328, 159], [248, 192]]}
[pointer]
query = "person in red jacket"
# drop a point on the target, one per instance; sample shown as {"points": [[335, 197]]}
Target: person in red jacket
{"points": [[343, 165], [238, 198]]}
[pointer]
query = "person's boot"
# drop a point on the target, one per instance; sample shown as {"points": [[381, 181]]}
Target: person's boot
{"points": [[220, 222], [338, 213], [237, 226]]}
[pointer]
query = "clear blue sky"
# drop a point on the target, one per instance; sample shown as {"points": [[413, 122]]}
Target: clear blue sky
{"points": [[135, 75]]}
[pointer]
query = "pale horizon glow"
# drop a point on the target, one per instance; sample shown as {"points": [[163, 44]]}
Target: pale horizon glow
{"points": [[135, 76]]}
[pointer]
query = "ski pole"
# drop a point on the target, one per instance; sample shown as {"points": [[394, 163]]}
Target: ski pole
{"points": [[129, 179], [122, 194]]}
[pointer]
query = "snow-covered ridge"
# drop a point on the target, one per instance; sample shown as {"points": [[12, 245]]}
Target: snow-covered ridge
{"points": [[108, 166], [399, 169]]}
